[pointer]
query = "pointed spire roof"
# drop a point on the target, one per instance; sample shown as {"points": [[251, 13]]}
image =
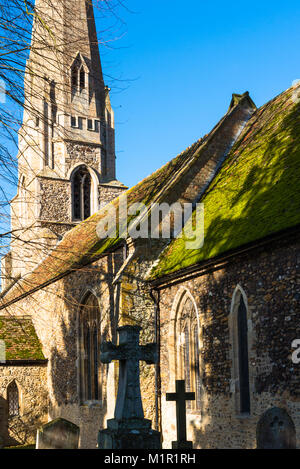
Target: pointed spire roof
{"points": [[66, 27], [64, 30]]}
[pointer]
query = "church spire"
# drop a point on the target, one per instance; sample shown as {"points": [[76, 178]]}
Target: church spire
{"points": [[65, 53], [65, 95], [67, 142]]}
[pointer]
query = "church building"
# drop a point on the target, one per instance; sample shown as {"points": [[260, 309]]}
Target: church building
{"points": [[225, 313]]}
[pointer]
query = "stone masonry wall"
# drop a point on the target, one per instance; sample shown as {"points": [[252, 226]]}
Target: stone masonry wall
{"points": [[269, 278], [55, 200], [107, 193], [54, 312], [80, 153], [32, 385]]}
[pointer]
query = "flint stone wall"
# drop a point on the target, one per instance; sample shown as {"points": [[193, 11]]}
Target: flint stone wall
{"points": [[269, 278], [33, 400]]}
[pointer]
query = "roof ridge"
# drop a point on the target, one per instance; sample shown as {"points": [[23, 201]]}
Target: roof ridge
{"points": [[80, 250]]}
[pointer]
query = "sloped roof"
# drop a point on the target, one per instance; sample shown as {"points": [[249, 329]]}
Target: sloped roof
{"points": [[81, 245], [255, 194], [20, 339]]}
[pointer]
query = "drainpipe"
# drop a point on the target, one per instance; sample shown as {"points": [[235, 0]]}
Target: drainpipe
{"points": [[156, 300], [130, 251]]}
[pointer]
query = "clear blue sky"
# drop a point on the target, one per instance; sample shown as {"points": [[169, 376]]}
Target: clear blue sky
{"points": [[185, 59], [179, 62]]}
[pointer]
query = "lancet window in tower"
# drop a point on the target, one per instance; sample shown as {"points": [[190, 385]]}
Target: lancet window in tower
{"points": [[89, 337], [53, 102], [82, 79], [81, 194], [13, 399], [46, 132], [74, 78], [187, 349], [78, 76]]}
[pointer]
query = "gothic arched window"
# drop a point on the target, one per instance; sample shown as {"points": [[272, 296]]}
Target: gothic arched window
{"points": [[239, 328], [89, 339], [243, 357], [81, 190], [13, 399], [187, 348], [78, 76]]}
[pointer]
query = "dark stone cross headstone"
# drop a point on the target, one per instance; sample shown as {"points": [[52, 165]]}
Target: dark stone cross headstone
{"points": [[129, 429], [180, 397], [276, 430]]}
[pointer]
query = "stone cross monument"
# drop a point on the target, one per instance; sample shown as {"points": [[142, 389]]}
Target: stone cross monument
{"points": [[180, 397], [129, 429]]}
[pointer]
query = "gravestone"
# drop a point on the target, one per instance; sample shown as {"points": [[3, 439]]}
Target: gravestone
{"points": [[58, 434], [180, 397], [276, 430], [129, 429]]}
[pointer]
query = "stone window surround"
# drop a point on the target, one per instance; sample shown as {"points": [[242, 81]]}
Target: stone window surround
{"points": [[86, 403], [174, 351], [21, 397], [81, 193], [79, 75], [233, 335], [94, 188]]}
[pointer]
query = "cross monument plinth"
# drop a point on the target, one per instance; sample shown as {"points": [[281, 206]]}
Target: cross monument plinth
{"points": [[129, 429]]}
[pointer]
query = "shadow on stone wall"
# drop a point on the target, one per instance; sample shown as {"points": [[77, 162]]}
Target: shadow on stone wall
{"points": [[64, 373]]}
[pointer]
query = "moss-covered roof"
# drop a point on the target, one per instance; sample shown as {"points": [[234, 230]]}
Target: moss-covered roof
{"points": [[21, 341], [255, 194]]}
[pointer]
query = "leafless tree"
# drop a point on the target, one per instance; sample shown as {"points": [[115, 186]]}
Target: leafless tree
{"points": [[17, 18]]}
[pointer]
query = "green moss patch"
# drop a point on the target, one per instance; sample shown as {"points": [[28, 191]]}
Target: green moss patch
{"points": [[20, 339]]}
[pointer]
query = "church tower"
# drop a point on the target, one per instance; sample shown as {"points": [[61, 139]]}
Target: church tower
{"points": [[66, 154]]}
